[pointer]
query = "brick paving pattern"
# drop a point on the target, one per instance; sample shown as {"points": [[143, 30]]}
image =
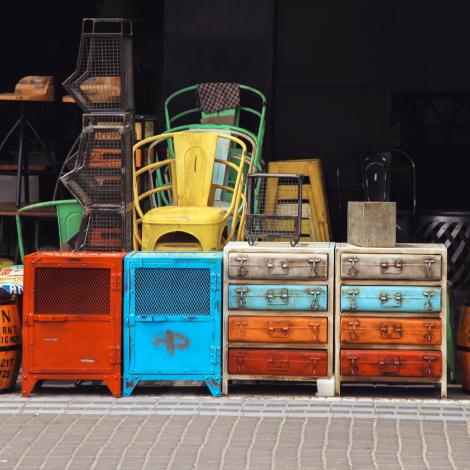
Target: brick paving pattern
{"points": [[182, 431]]}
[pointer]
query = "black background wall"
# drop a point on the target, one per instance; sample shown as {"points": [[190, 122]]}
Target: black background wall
{"points": [[340, 76]]}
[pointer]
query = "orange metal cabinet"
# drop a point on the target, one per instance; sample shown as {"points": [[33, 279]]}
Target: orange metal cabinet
{"points": [[72, 318]]}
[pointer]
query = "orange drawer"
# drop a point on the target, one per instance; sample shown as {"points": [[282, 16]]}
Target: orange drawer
{"points": [[277, 329], [391, 330]]}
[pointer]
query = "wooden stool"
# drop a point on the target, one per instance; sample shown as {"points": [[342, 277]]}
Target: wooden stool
{"points": [[28, 89]]}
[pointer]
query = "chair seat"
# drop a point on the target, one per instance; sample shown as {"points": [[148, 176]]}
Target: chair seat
{"points": [[19, 97], [190, 215]]}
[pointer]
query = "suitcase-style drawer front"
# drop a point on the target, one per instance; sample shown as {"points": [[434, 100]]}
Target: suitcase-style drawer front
{"points": [[277, 297], [390, 299], [278, 329], [278, 266], [391, 363], [391, 267], [413, 331], [278, 362]]}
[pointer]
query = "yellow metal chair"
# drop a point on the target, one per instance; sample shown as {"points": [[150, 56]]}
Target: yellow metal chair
{"points": [[192, 221]]}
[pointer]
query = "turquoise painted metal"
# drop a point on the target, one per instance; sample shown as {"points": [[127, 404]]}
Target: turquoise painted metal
{"points": [[390, 299], [277, 297], [172, 318]]}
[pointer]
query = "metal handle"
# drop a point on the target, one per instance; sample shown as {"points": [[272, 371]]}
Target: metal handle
{"points": [[353, 336], [352, 293], [429, 325], [269, 296], [241, 292], [391, 366], [397, 264], [428, 293], [314, 364], [270, 265], [284, 296], [430, 360], [282, 331], [279, 365], [285, 266], [315, 303], [315, 330], [313, 266], [240, 361], [353, 271], [429, 261], [242, 271], [393, 331], [353, 367]]}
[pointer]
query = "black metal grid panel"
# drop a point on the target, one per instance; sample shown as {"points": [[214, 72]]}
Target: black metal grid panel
{"points": [[173, 291], [100, 174], [102, 80], [274, 207], [105, 231], [87, 291]]}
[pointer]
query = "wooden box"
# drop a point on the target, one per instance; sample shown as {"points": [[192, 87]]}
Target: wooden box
{"points": [[278, 312], [372, 223], [390, 314]]}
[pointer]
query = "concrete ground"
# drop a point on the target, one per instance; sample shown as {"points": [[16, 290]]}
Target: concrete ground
{"points": [[257, 427]]}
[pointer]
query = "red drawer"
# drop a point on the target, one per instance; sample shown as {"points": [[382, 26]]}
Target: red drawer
{"points": [[391, 363], [278, 362]]}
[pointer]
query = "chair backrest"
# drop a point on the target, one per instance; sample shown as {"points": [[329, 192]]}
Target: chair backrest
{"points": [[182, 108], [69, 218], [194, 166]]}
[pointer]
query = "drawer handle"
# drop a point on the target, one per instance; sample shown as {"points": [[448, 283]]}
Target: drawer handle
{"points": [[315, 302], [283, 296], [391, 366], [428, 293], [353, 336], [241, 326], [314, 361], [384, 265], [315, 330], [278, 365], [241, 292], [352, 294], [394, 331], [284, 266], [430, 360], [313, 266], [279, 331], [240, 362], [270, 265], [242, 271], [429, 261], [353, 366], [429, 325], [353, 271], [384, 298]]}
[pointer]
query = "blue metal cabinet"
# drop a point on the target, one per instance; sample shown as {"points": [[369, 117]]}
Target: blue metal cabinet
{"points": [[277, 297], [172, 318], [390, 298]]}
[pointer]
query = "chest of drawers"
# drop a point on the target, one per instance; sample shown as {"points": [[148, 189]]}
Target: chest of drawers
{"points": [[390, 314], [278, 312]]}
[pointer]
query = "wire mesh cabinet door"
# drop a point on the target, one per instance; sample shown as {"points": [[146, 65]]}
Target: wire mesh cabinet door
{"points": [[172, 318]]}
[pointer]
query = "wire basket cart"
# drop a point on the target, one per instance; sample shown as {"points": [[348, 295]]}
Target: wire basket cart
{"points": [[274, 207]]}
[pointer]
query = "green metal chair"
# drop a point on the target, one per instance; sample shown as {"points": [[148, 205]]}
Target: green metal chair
{"points": [[237, 115], [69, 217]]}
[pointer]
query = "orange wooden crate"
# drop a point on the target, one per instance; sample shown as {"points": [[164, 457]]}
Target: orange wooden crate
{"points": [[72, 318]]}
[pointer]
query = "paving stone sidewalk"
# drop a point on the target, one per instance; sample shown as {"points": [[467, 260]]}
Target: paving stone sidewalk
{"points": [[245, 431]]}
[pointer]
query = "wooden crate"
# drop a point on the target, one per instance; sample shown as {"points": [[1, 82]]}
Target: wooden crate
{"points": [[390, 314], [278, 312]]}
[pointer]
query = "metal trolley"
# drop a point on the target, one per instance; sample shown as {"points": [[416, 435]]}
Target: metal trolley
{"points": [[172, 318]]}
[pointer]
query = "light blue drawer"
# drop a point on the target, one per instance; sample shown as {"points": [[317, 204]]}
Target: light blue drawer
{"points": [[277, 297], [390, 299]]}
